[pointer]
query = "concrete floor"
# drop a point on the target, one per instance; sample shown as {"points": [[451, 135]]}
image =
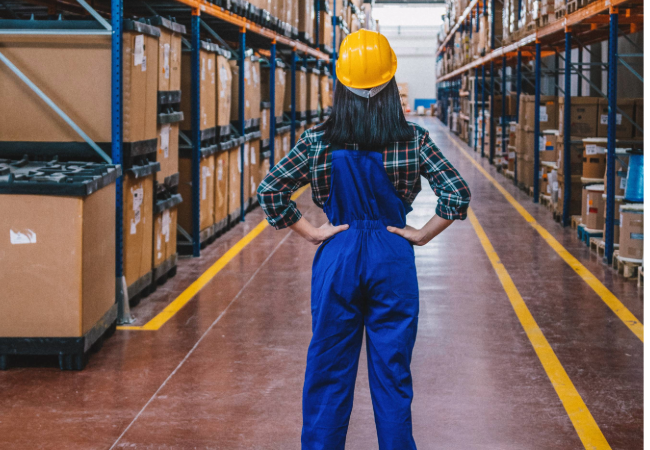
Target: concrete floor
{"points": [[226, 371]]}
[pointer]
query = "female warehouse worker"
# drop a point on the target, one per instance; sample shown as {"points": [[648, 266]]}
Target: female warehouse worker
{"points": [[364, 165]]}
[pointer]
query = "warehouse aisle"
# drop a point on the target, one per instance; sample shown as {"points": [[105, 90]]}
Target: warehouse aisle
{"points": [[226, 370]]}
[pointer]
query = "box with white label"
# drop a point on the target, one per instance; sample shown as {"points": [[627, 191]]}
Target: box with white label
{"points": [[594, 157], [164, 235], [207, 87], [624, 128], [206, 193], [221, 174]]}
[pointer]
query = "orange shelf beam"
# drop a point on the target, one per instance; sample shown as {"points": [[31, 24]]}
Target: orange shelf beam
{"points": [[462, 18]]}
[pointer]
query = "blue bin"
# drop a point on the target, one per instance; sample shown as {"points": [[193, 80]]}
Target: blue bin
{"points": [[634, 186]]}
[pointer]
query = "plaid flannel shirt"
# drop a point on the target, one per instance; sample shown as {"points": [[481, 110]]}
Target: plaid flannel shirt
{"points": [[310, 161]]}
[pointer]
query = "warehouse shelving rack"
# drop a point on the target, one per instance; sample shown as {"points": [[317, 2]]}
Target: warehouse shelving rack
{"points": [[595, 22], [197, 15]]}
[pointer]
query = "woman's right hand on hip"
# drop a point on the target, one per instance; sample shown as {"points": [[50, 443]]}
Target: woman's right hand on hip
{"points": [[316, 235]]}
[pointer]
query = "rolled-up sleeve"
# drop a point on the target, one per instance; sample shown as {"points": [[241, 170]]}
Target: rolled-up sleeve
{"points": [[452, 191], [286, 177]]}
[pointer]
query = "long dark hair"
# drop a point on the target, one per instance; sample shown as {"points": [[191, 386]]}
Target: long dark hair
{"points": [[370, 123]]}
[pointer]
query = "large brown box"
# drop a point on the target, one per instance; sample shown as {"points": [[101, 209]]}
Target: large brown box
{"points": [[631, 242], [313, 85], [594, 159], [584, 116], [325, 29], [265, 124], [140, 82], [548, 113], [620, 172], [301, 91], [576, 156], [169, 53], [257, 165], [548, 146], [206, 200], [252, 89], [617, 217], [306, 16], [280, 83], [224, 91], [325, 91], [207, 87], [167, 151], [164, 236], [593, 216], [138, 227], [575, 204], [75, 72], [221, 186], [234, 180], [63, 282], [624, 128]]}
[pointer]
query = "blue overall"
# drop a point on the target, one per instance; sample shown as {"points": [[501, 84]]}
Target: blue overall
{"points": [[362, 277]]}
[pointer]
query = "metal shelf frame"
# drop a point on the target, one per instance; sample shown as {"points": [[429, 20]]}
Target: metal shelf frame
{"points": [[578, 29]]}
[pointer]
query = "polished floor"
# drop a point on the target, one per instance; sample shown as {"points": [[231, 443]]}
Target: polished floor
{"points": [[226, 371]]}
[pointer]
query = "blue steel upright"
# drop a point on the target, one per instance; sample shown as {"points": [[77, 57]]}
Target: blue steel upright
{"points": [[475, 109], [483, 111], [116, 129], [566, 219], [294, 56], [335, 23], [611, 134], [242, 117], [538, 86], [504, 147], [196, 133], [272, 94], [518, 81], [491, 143]]}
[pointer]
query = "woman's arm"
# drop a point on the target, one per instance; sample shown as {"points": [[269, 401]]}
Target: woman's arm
{"points": [[452, 191], [316, 235]]}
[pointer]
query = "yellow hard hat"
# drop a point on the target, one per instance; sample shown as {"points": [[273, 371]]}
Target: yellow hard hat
{"points": [[366, 60]]}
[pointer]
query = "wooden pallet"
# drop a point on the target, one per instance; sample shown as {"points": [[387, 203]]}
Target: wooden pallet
{"points": [[598, 245], [575, 221], [509, 174], [639, 281], [627, 267], [585, 234], [545, 200]]}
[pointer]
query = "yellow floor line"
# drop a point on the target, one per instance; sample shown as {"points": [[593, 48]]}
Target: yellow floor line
{"points": [[583, 421], [605, 294], [170, 310]]}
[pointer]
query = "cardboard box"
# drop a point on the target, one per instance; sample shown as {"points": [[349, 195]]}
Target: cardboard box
{"points": [[265, 124], [617, 217], [576, 156], [620, 172], [593, 216], [631, 241], [169, 53], [280, 83], [548, 113], [575, 204], [301, 91], [75, 72], [138, 226], [164, 235], [326, 91], [206, 201], [167, 154], [594, 159], [62, 282], [222, 172], [234, 182], [548, 145], [325, 29], [252, 89], [306, 16], [140, 82], [286, 142], [624, 128], [313, 85], [208, 88], [224, 91], [584, 116], [257, 166]]}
